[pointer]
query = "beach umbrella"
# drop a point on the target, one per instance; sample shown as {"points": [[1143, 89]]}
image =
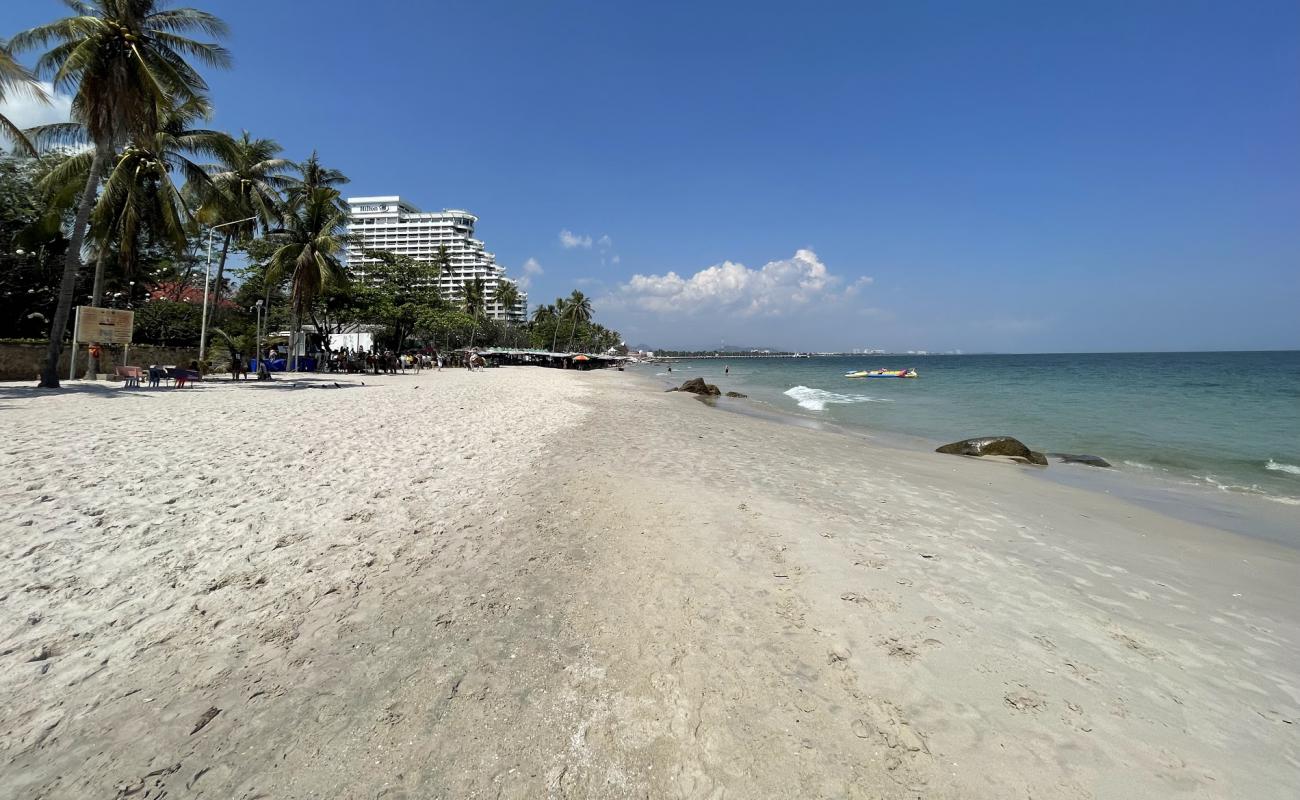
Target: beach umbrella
{"points": [[581, 358]]}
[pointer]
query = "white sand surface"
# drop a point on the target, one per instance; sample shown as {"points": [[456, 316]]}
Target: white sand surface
{"points": [[536, 583]]}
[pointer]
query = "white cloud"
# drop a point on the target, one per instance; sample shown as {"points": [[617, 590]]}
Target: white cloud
{"points": [[776, 288], [26, 111], [858, 285], [531, 269], [606, 247], [569, 240]]}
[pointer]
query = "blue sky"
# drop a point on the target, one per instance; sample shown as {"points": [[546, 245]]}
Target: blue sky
{"points": [[911, 175]]}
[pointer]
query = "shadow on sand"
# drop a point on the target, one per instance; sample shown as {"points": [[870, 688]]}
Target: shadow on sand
{"points": [[15, 391]]}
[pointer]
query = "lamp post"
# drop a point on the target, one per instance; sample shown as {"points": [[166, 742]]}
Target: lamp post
{"points": [[207, 280], [257, 336]]}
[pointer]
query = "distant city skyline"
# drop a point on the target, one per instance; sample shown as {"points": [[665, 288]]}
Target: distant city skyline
{"points": [[1007, 176]]}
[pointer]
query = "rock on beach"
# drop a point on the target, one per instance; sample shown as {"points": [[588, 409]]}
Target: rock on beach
{"points": [[1008, 446]]}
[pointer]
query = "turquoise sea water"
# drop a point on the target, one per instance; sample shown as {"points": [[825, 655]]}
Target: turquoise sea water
{"points": [[1227, 422]]}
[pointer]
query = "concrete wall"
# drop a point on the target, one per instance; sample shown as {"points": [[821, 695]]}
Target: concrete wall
{"points": [[22, 362]]}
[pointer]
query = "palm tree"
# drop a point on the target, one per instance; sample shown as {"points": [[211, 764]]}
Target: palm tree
{"points": [[473, 298], [126, 59], [245, 185], [473, 295], [14, 77], [314, 236], [139, 189], [543, 313], [312, 175], [507, 296], [580, 309], [561, 308]]}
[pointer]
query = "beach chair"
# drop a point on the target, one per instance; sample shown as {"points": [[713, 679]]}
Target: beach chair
{"points": [[130, 375]]}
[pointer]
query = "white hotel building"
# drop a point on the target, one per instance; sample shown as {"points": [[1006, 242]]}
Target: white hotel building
{"points": [[390, 223]]}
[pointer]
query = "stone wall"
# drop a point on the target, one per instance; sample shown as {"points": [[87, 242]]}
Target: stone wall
{"points": [[22, 362]]}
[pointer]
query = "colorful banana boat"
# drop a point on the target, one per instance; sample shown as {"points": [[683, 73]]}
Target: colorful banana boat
{"points": [[882, 373]]}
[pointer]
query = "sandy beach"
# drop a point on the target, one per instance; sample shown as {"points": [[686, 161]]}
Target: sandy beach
{"points": [[539, 583]]}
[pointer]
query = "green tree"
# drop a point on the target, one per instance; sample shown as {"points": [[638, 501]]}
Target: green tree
{"points": [[139, 194], [579, 310], [122, 61], [543, 313], [473, 296], [449, 327], [312, 175], [507, 297], [31, 247], [16, 79], [337, 306], [246, 183], [308, 251], [400, 293], [168, 323], [561, 313]]}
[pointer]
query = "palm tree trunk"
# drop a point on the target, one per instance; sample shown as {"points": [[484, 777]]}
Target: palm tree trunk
{"points": [[97, 293], [572, 331], [555, 332], [96, 300], [221, 271], [71, 266]]}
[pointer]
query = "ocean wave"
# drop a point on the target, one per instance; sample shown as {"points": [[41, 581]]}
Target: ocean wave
{"points": [[1139, 465], [1278, 466], [817, 399], [1231, 487]]}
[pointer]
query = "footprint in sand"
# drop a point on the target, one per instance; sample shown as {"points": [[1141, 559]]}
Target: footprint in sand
{"points": [[908, 651], [885, 723], [1135, 644], [1024, 699]]}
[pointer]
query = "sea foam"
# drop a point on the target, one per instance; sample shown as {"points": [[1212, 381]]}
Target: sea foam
{"points": [[817, 399], [1278, 466]]}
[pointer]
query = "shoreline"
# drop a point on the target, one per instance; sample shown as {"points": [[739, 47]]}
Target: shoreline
{"points": [[1265, 517], [528, 582]]}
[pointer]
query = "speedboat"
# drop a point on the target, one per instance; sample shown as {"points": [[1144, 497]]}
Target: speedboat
{"points": [[882, 373]]}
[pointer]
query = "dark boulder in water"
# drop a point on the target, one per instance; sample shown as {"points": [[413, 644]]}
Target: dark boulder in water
{"points": [[736, 394], [1071, 458], [994, 446], [698, 386]]}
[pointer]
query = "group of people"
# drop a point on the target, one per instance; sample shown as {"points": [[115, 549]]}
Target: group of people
{"points": [[379, 362]]}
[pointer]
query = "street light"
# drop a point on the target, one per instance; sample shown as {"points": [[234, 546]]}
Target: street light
{"points": [[207, 279], [257, 335]]}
